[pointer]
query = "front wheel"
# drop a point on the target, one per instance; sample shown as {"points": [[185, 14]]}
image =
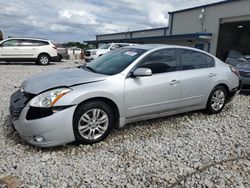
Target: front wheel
{"points": [[92, 122], [43, 59], [216, 100]]}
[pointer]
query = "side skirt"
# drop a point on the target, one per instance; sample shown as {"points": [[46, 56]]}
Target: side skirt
{"points": [[124, 121]]}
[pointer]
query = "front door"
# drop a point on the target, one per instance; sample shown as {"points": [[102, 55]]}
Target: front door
{"points": [[9, 49], [157, 93]]}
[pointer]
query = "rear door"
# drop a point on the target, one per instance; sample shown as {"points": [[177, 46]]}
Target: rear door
{"points": [[10, 49], [157, 93], [28, 48], [197, 77]]}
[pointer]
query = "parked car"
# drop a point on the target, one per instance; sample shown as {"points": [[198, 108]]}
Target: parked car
{"points": [[237, 59], [75, 50], [126, 85], [247, 57], [94, 53], [62, 51], [28, 49]]}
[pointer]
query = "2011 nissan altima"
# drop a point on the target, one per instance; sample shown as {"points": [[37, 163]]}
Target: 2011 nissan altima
{"points": [[126, 85]]}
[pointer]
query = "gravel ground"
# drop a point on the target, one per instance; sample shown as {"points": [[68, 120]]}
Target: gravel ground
{"points": [[188, 150]]}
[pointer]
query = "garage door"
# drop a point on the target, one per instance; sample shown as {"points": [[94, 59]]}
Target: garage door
{"points": [[234, 35]]}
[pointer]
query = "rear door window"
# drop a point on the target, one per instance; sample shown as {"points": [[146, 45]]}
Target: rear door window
{"points": [[41, 43], [23, 42], [192, 59]]}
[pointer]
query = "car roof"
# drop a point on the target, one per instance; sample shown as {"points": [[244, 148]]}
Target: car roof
{"points": [[163, 46], [28, 38], [122, 43], [146, 46]]}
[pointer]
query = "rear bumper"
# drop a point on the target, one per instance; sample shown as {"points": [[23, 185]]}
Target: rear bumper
{"points": [[54, 59], [64, 56], [234, 92]]}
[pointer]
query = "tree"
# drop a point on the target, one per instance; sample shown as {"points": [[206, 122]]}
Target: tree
{"points": [[77, 44]]}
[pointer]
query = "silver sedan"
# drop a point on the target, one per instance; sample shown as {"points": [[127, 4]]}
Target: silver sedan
{"points": [[126, 85]]}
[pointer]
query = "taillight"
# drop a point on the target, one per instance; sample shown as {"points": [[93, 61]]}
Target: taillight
{"points": [[54, 47], [235, 70]]}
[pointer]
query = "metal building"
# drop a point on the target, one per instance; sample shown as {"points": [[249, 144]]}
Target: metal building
{"points": [[216, 28]]}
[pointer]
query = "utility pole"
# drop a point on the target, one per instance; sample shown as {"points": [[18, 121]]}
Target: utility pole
{"points": [[1, 35]]}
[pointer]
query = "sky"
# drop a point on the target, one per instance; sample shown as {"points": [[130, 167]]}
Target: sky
{"points": [[79, 20]]}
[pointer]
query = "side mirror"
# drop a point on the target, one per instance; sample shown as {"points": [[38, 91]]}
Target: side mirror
{"points": [[142, 72]]}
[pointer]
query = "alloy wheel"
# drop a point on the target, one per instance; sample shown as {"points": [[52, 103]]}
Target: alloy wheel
{"points": [[93, 124], [218, 100], [44, 60]]}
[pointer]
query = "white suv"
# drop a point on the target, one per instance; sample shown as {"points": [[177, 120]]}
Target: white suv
{"points": [[28, 49], [94, 53]]}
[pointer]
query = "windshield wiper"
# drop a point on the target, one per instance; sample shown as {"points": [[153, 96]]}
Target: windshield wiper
{"points": [[91, 69]]}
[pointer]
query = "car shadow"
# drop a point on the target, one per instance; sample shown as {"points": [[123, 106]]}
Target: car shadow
{"points": [[26, 63]]}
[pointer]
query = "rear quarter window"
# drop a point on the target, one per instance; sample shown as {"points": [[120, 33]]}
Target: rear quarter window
{"points": [[210, 61], [42, 43]]}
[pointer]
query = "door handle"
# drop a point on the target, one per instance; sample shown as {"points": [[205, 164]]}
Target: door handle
{"points": [[174, 82], [212, 75], [15, 48], [33, 48]]}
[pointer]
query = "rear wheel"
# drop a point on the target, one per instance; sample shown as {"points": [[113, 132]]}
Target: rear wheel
{"points": [[92, 122], [59, 58], [216, 100], [43, 59]]}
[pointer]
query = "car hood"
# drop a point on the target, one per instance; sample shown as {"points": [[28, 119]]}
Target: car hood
{"points": [[244, 67], [60, 78], [99, 50]]}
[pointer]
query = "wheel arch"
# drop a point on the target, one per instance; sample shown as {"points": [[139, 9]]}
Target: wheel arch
{"points": [[226, 88], [44, 53], [219, 84], [107, 101]]}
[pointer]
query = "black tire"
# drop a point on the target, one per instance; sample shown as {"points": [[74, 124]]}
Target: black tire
{"points": [[59, 58], [43, 59], [212, 110], [85, 108]]}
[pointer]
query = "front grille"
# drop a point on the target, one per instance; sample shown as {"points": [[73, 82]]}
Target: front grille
{"points": [[14, 113], [245, 74], [87, 53], [17, 102]]}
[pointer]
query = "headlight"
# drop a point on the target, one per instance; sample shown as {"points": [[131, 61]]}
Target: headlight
{"points": [[49, 98], [93, 53]]}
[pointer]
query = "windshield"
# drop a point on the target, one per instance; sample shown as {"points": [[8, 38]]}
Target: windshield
{"points": [[105, 46], [115, 61]]}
